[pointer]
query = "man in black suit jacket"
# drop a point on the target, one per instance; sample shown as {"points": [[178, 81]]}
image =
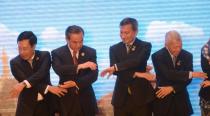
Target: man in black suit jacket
{"points": [[31, 69], [173, 67], [76, 66], [132, 95]]}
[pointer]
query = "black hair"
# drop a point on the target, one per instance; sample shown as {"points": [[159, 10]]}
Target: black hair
{"points": [[73, 29], [132, 21], [28, 35]]}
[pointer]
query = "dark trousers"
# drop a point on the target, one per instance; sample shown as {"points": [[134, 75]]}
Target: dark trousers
{"points": [[42, 109], [130, 109], [70, 106]]}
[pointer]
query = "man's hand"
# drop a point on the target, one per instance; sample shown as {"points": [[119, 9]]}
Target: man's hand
{"points": [[17, 89], [205, 84], [164, 91], [57, 91], [86, 65], [147, 76], [68, 84], [199, 75], [108, 71]]}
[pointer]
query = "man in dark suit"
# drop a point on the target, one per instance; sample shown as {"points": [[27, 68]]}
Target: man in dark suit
{"points": [[31, 69], [132, 93], [173, 67], [76, 66]]}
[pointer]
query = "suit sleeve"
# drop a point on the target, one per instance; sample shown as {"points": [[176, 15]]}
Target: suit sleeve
{"points": [[89, 76], [205, 65], [60, 67], [36, 77], [134, 60], [114, 60], [180, 79], [171, 74], [17, 71]]}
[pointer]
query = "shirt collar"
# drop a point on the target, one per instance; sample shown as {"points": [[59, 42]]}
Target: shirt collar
{"points": [[131, 43], [31, 59], [77, 55], [170, 52]]}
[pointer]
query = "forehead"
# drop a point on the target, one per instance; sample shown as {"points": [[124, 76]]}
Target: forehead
{"points": [[24, 42], [127, 27], [76, 36], [175, 44]]}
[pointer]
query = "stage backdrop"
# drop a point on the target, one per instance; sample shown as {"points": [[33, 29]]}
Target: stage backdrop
{"points": [[100, 20]]}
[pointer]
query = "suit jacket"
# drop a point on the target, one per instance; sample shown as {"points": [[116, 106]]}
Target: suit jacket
{"points": [[178, 102], [127, 64], [205, 92], [62, 63], [38, 77]]}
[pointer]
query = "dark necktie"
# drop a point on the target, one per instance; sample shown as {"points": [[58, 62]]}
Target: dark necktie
{"points": [[129, 48], [75, 58], [75, 63], [174, 60], [31, 62]]}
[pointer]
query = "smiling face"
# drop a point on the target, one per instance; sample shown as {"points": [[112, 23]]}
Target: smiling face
{"points": [[127, 33], [26, 51]]}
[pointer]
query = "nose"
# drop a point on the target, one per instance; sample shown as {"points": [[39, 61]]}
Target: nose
{"points": [[21, 51]]}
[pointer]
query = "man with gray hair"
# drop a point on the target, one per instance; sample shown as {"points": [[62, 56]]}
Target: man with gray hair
{"points": [[174, 71]]}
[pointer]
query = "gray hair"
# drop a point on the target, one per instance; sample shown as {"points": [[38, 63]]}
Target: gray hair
{"points": [[172, 36]]}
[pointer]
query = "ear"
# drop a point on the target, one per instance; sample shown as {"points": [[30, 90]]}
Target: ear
{"points": [[33, 47], [136, 32]]}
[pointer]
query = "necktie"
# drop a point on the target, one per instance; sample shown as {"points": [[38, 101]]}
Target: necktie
{"points": [[75, 58], [174, 60], [75, 63], [31, 62], [129, 48]]}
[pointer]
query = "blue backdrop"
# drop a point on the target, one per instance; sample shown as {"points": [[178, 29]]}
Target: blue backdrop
{"points": [[100, 20]]}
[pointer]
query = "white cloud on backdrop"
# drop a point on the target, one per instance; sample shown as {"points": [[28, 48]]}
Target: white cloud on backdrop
{"points": [[52, 37], [157, 29], [51, 33]]}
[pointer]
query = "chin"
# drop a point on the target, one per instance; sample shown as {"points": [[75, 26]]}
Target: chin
{"points": [[24, 58]]}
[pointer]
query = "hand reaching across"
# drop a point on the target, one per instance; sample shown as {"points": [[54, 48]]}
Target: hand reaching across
{"points": [[68, 84], [17, 89], [108, 71], [164, 91], [86, 65], [201, 75], [146, 75], [205, 83], [57, 91]]}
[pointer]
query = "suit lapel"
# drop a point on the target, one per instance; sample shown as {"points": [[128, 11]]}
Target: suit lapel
{"points": [[121, 51], [81, 55], [25, 66], [179, 61], [168, 58], [68, 56], [36, 59]]}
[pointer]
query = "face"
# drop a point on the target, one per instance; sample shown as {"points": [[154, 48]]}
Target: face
{"points": [[175, 47], [127, 34], [75, 41], [26, 51]]}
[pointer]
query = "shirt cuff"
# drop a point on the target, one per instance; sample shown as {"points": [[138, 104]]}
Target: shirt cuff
{"points": [[46, 90], [77, 87], [28, 85], [115, 67], [190, 75]]}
